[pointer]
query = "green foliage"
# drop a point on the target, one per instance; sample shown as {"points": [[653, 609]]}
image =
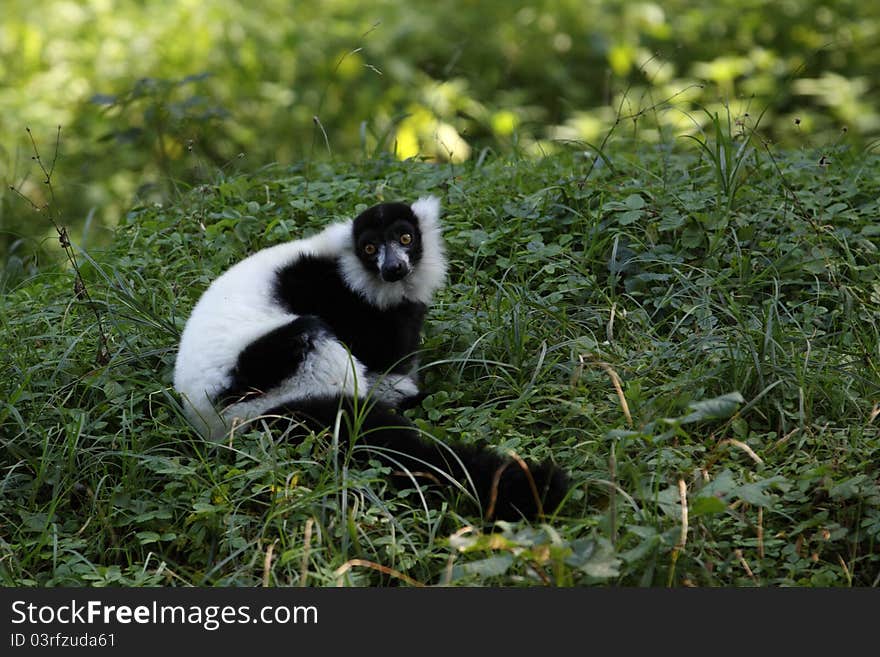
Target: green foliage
{"points": [[154, 96], [743, 336]]}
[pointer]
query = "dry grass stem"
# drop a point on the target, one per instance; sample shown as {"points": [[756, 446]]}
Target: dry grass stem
{"points": [[748, 450], [351, 563], [846, 572], [267, 563], [493, 492], [682, 536], [618, 387], [307, 546], [525, 468], [682, 495], [744, 563]]}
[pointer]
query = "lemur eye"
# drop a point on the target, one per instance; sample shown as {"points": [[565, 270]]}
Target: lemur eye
{"points": [[370, 249], [406, 239]]}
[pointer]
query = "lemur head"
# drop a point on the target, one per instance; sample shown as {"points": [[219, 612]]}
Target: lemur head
{"points": [[396, 253], [388, 240]]}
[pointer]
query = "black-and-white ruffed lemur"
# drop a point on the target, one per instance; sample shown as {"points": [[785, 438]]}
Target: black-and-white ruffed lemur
{"points": [[300, 331]]}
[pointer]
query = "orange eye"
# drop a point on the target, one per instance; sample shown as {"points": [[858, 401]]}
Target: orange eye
{"points": [[370, 249], [406, 239]]}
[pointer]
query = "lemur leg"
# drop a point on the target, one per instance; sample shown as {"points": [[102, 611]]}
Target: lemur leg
{"points": [[396, 390], [270, 359], [303, 359]]}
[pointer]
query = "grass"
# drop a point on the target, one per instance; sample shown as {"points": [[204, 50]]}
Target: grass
{"points": [[698, 345]]}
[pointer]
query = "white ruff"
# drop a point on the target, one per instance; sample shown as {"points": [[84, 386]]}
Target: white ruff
{"points": [[426, 278], [239, 307]]}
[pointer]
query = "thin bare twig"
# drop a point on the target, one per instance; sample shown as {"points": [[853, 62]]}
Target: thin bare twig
{"points": [[621, 117], [81, 290]]}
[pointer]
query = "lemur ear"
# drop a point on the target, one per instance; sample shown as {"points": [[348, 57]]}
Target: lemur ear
{"points": [[427, 210]]}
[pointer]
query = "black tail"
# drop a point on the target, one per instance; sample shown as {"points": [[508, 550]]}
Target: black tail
{"points": [[508, 489]]}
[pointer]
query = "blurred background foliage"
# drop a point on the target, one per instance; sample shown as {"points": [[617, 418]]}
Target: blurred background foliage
{"points": [[156, 96]]}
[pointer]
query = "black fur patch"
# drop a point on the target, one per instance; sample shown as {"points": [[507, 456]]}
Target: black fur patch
{"points": [[273, 357], [383, 340]]}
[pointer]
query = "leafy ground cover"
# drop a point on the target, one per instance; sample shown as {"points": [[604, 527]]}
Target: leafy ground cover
{"points": [[137, 86], [692, 329]]}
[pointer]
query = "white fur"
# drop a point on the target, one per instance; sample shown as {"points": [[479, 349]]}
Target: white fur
{"points": [[397, 251], [238, 307], [393, 388]]}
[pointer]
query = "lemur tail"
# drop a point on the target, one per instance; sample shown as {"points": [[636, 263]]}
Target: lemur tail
{"points": [[507, 489]]}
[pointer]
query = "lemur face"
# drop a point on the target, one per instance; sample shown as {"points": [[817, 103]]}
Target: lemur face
{"points": [[388, 241]]}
